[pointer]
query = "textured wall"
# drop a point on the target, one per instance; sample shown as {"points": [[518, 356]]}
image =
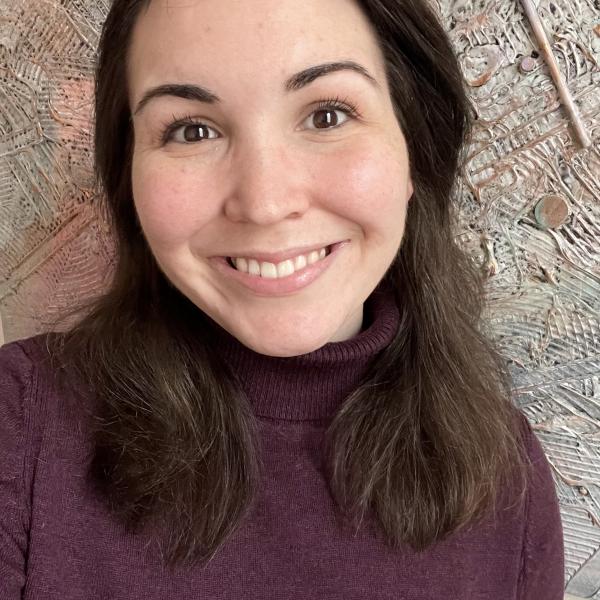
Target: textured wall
{"points": [[52, 243], [529, 199], [530, 213]]}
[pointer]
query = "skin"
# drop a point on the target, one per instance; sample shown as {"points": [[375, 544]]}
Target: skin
{"points": [[267, 177]]}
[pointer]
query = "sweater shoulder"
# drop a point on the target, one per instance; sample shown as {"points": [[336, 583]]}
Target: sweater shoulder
{"points": [[24, 367], [542, 565], [22, 403], [18, 370], [25, 380], [22, 356], [18, 355]]}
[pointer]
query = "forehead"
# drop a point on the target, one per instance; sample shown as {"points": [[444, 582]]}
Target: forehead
{"points": [[233, 42]]}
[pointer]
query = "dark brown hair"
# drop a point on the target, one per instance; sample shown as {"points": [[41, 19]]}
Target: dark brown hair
{"points": [[427, 442]]}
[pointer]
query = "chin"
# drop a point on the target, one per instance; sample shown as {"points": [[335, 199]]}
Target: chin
{"points": [[294, 333], [283, 344], [277, 348]]}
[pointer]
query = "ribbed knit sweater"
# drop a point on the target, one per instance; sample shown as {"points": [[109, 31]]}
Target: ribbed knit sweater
{"points": [[58, 542]]}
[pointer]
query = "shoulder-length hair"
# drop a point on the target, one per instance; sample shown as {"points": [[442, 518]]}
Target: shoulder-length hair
{"points": [[425, 444]]}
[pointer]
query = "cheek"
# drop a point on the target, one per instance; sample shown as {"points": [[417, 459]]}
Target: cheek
{"points": [[371, 185], [171, 205]]}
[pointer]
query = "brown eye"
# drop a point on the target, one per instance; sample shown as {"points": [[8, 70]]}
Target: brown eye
{"points": [[193, 133], [190, 132], [325, 118]]}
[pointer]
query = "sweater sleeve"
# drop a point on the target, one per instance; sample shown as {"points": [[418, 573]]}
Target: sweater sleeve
{"points": [[16, 377], [542, 572]]}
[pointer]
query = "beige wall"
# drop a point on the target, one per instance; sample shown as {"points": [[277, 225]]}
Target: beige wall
{"points": [[543, 283]]}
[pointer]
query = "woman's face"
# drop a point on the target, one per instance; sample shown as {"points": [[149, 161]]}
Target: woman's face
{"points": [[268, 157]]}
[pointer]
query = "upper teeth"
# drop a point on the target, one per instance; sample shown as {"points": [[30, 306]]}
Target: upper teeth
{"points": [[282, 269]]}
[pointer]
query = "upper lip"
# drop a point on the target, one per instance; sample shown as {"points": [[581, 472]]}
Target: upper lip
{"points": [[277, 257]]}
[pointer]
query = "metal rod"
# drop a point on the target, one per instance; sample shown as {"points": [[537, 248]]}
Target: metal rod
{"points": [[563, 90]]}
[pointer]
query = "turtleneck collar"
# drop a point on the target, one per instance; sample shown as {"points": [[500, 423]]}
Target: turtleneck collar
{"points": [[312, 386]]}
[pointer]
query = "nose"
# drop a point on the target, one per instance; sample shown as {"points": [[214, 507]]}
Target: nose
{"points": [[267, 184]]}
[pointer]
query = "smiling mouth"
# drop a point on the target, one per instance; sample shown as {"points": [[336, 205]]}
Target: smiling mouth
{"points": [[269, 270]]}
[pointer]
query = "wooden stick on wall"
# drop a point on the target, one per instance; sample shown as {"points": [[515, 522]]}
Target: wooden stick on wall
{"points": [[563, 90]]}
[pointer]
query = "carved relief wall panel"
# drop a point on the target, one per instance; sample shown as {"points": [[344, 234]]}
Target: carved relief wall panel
{"points": [[530, 213], [528, 198], [52, 247]]}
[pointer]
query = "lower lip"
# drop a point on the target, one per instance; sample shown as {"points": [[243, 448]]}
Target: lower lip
{"points": [[278, 286]]}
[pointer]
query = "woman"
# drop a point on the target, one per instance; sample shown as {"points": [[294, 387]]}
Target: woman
{"points": [[285, 392]]}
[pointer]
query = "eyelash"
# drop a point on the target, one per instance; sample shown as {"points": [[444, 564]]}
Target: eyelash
{"points": [[334, 103]]}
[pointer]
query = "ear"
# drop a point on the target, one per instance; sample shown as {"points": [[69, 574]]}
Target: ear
{"points": [[410, 189]]}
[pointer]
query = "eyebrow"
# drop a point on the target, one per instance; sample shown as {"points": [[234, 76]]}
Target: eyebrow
{"points": [[295, 82]]}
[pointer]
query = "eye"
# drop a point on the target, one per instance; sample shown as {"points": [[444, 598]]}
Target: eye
{"points": [[325, 115], [187, 131], [326, 118]]}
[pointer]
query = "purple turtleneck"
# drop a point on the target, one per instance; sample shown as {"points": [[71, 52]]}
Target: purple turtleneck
{"points": [[57, 540]]}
